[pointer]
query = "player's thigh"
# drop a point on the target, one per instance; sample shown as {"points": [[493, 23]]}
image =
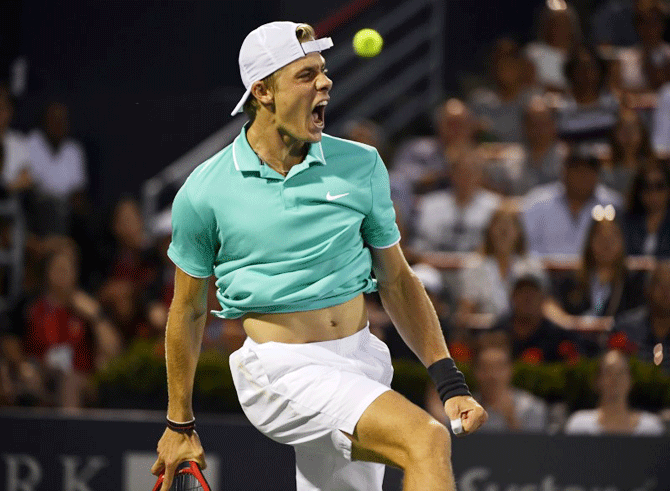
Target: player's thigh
{"points": [[394, 431]]}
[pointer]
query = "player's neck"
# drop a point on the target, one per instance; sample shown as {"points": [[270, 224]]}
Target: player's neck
{"points": [[279, 150]]}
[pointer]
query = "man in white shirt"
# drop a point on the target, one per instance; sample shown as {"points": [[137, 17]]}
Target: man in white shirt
{"points": [[454, 219], [58, 169], [58, 162], [557, 216]]}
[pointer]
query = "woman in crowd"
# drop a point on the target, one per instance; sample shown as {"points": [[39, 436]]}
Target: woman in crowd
{"points": [[134, 267], [647, 222], [559, 32], [630, 147], [603, 286], [486, 281], [501, 106], [653, 50], [613, 413]]}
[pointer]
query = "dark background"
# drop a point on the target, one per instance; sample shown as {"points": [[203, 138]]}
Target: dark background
{"points": [[148, 80]]}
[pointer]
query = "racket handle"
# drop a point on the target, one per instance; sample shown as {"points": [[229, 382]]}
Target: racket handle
{"points": [[456, 426], [178, 480]]}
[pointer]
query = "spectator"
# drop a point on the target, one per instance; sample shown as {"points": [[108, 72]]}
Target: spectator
{"points": [[454, 219], [613, 415], [423, 163], [557, 216], [630, 146], [603, 286], [510, 409], [66, 329], [544, 161], [487, 280], [501, 107], [133, 257], [534, 338], [58, 170], [14, 156], [647, 222], [648, 327], [544, 153], [558, 34], [654, 51], [640, 66], [589, 111], [133, 269]]}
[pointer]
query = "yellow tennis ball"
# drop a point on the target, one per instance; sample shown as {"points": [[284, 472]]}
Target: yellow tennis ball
{"points": [[368, 43]]}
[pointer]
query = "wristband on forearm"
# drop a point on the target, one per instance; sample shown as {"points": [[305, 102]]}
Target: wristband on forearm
{"points": [[448, 379], [186, 427]]}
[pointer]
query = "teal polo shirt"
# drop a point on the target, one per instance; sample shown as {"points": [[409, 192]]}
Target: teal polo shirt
{"points": [[288, 244]]}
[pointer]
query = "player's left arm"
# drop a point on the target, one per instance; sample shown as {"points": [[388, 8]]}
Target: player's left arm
{"points": [[414, 316]]}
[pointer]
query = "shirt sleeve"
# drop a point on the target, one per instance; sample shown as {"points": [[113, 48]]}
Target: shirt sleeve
{"points": [[193, 246], [379, 227]]}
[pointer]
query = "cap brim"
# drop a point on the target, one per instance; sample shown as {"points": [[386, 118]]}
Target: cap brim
{"points": [[238, 108]]}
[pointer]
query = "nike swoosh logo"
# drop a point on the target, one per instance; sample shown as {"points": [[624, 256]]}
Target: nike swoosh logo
{"points": [[330, 197]]}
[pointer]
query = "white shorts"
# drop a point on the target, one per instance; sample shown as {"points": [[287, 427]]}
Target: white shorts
{"points": [[306, 395]]}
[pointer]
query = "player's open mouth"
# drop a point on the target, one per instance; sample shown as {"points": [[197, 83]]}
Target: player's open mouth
{"points": [[318, 114]]}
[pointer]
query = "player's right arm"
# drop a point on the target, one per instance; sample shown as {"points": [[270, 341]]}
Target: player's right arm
{"points": [[183, 338]]}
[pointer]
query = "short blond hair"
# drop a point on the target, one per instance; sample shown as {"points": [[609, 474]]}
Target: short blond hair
{"points": [[304, 33]]}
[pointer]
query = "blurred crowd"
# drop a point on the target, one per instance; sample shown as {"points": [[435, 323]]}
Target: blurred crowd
{"points": [[536, 215]]}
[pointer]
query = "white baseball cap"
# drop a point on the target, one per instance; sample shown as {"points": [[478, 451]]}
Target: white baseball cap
{"points": [[270, 47]]}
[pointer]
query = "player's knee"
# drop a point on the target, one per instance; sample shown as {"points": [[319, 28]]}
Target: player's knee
{"points": [[432, 444]]}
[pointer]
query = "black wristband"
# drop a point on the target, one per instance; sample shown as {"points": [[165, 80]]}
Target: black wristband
{"points": [[187, 427], [448, 379]]}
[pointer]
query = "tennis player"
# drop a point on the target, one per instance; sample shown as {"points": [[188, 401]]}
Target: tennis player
{"points": [[296, 226]]}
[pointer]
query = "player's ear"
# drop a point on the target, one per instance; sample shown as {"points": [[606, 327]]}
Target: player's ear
{"points": [[262, 92]]}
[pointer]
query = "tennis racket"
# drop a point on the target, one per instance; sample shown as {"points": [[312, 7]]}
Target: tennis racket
{"points": [[187, 477]]}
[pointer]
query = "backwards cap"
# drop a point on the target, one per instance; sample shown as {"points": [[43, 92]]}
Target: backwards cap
{"points": [[270, 47]]}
